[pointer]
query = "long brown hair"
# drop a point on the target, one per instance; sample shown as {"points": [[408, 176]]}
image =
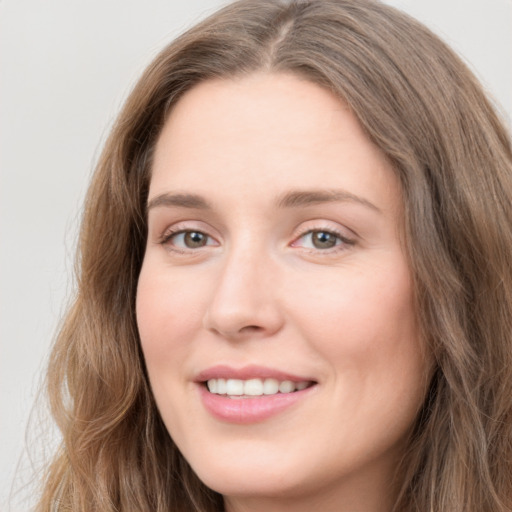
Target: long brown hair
{"points": [[421, 106]]}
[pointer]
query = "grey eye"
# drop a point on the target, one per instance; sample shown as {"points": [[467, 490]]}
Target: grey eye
{"points": [[194, 239], [189, 239], [323, 239], [320, 239]]}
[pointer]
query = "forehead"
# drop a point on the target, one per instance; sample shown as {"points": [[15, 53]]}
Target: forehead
{"points": [[266, 133]]}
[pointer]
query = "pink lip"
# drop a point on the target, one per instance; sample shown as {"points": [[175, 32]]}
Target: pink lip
{"points": [[247, 372], [248, 410]]}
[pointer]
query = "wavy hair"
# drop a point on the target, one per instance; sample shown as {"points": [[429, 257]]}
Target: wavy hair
{"points": [[419, 103]]}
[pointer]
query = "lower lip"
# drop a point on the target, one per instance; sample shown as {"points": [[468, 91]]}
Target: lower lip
{"points": [[249, 410]]}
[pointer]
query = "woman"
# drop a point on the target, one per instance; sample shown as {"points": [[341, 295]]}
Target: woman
{"points": [[295, 288]]}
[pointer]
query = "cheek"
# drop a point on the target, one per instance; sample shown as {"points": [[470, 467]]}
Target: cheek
{"points": [[358, 313], [167, 312], [167, 321], [364, 325]]}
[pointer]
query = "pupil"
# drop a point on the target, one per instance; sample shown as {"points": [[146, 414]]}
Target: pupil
{"points": [[195, 239], [323, 240]]}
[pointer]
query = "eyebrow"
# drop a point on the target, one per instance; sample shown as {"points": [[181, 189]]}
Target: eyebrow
{"points": [[291, 199], [300, 198], [180, 200]]}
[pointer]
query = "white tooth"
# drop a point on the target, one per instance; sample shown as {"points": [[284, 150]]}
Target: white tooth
{"points": [[270, 387], [287, 386], [253, 387], [234, 387], [221, 386]]}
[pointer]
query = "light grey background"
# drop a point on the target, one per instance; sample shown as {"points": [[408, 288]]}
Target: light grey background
{"points": [[65, 68]]}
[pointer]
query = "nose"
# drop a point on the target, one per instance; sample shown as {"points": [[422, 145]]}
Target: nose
{"points": [[244, 302]]}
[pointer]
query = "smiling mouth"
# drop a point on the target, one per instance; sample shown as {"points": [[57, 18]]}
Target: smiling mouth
{"points": [[251, 394], [251, 388]]}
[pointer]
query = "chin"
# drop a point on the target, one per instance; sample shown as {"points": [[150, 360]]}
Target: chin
{"points": [[253, 483], [246, 477]]}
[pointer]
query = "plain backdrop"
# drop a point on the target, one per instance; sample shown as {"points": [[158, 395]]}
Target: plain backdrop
{"points": [[65, 68]]}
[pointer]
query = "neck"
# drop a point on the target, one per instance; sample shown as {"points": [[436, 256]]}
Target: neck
{"points": [[364, 493]]}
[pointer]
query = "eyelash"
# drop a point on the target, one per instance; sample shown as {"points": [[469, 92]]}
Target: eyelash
{"points": [[341, 243], [170, 234]]}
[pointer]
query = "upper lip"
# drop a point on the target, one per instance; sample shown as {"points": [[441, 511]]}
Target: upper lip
{"points": [[247, 372]]}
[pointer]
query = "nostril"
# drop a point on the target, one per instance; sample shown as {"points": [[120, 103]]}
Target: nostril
{"points": [[250, 328]]}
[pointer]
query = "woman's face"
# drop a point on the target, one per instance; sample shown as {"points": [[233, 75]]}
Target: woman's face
{"points": [[274, 275]]}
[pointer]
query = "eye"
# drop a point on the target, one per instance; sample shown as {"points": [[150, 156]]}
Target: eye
{"points": [[322, 239], [187, 239]]}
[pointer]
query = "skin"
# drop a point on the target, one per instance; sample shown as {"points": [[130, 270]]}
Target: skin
{"points": [[261, 291]]}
